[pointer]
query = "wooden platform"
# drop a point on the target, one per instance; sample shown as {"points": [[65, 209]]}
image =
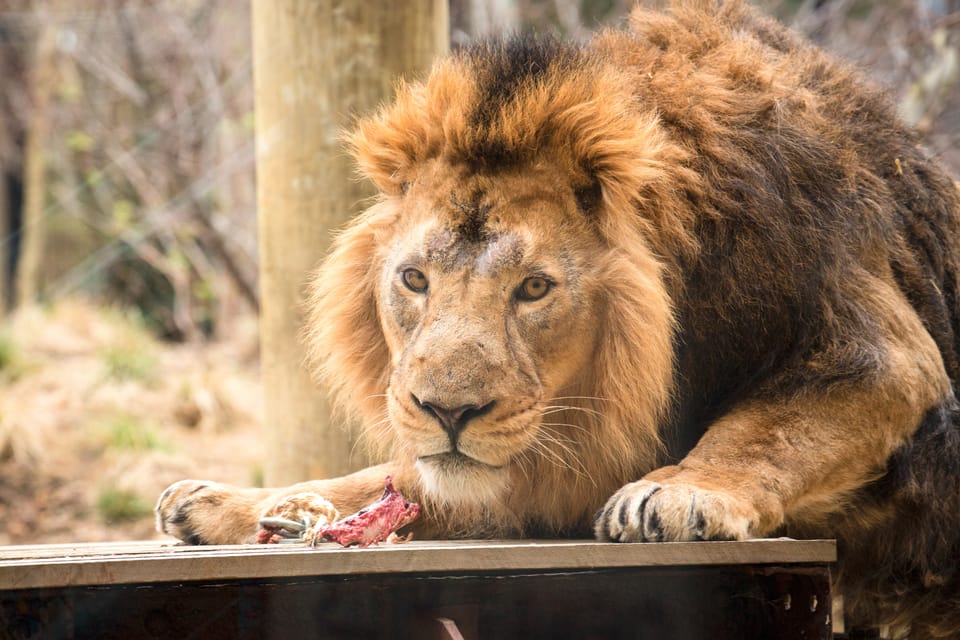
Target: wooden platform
{"points": [[488, 589]]}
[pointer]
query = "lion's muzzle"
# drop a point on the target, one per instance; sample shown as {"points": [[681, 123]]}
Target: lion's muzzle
{"points": [[453, 420]]}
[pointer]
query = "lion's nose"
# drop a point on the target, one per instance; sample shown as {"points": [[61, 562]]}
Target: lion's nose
{"points": [[453, 420]]}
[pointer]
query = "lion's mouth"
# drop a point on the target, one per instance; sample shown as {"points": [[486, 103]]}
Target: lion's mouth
{"points": [[455, 461], [456, 479]]}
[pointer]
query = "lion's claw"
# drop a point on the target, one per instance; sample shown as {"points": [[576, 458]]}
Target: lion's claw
{"points": [[294, 518], [624, 519], [282, 530], [291, 527], [646, 511]]}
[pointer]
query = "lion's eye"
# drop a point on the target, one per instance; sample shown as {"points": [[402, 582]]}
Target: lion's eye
{"points": [[414, 280], [533, 288]]}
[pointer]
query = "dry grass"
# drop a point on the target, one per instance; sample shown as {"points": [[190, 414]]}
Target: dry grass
{"points": [[96, 418]]}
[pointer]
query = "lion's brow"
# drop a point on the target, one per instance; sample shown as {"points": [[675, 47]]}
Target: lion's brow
{"points": [[502, 252], [445, 248], [449, 250], [472, 227]]}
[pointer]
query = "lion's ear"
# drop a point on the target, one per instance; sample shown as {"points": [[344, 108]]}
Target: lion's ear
{"points": [[589, 197], [634, 173], [387, 145], [390, 145], [382, 153]]}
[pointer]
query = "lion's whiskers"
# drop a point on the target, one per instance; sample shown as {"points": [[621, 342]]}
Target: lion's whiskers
{"points": [[557, 450], [589, 400], [561, 408], [600, 398], [552, 457], [521, 463], [374, 434]]}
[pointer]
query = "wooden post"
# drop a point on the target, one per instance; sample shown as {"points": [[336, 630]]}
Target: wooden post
{"points": [[317, 63]]}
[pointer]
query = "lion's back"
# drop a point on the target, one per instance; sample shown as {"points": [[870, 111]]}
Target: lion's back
{"points": [[807, 174]]}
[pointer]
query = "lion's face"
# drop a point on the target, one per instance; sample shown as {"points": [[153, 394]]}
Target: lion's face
{"points": [[489, 309], [499, 318]]}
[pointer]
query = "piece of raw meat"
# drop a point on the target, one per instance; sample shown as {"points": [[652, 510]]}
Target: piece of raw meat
{"points": [[372, 524]]}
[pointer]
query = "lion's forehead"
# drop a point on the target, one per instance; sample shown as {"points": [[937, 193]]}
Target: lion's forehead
{"points": [[449, 249], [502, 252]]}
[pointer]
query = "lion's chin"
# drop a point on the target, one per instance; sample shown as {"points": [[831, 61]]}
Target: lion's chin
{"points": [[460, 481]]}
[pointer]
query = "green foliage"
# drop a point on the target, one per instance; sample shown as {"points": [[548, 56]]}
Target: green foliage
{"points": [[249, 121], [122, 216], [125, 432], [257, 478], [788, 9], [131, 360], [121, 505], [70, 91], [8, 352], [79, 141], [12, 365], [136, 284], [93, 178], [596, 11]]}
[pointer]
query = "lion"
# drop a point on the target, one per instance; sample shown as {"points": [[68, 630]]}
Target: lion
{"points": [[691, 280]]}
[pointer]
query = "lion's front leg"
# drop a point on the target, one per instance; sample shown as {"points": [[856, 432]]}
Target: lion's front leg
{"points": [[754, 470], [201, 512], [791, 460], [204, 512]]}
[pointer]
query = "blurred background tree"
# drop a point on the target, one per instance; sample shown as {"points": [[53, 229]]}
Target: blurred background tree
{"points": [[126, 133], [127, 147]]}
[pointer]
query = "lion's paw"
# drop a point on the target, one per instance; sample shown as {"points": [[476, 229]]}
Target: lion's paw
{"points": [[310, 509], [646, 511], [196, 511]]}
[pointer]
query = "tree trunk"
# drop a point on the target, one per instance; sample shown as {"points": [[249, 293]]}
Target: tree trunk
{"points": [[317, 63], [33, 226], [6, 222]]}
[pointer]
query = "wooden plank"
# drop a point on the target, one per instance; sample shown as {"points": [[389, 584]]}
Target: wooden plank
{"points": [[16, 552], [89, 565]]}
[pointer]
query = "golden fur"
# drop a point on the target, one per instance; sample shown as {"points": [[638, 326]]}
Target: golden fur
{"points": [[694, 276]]}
